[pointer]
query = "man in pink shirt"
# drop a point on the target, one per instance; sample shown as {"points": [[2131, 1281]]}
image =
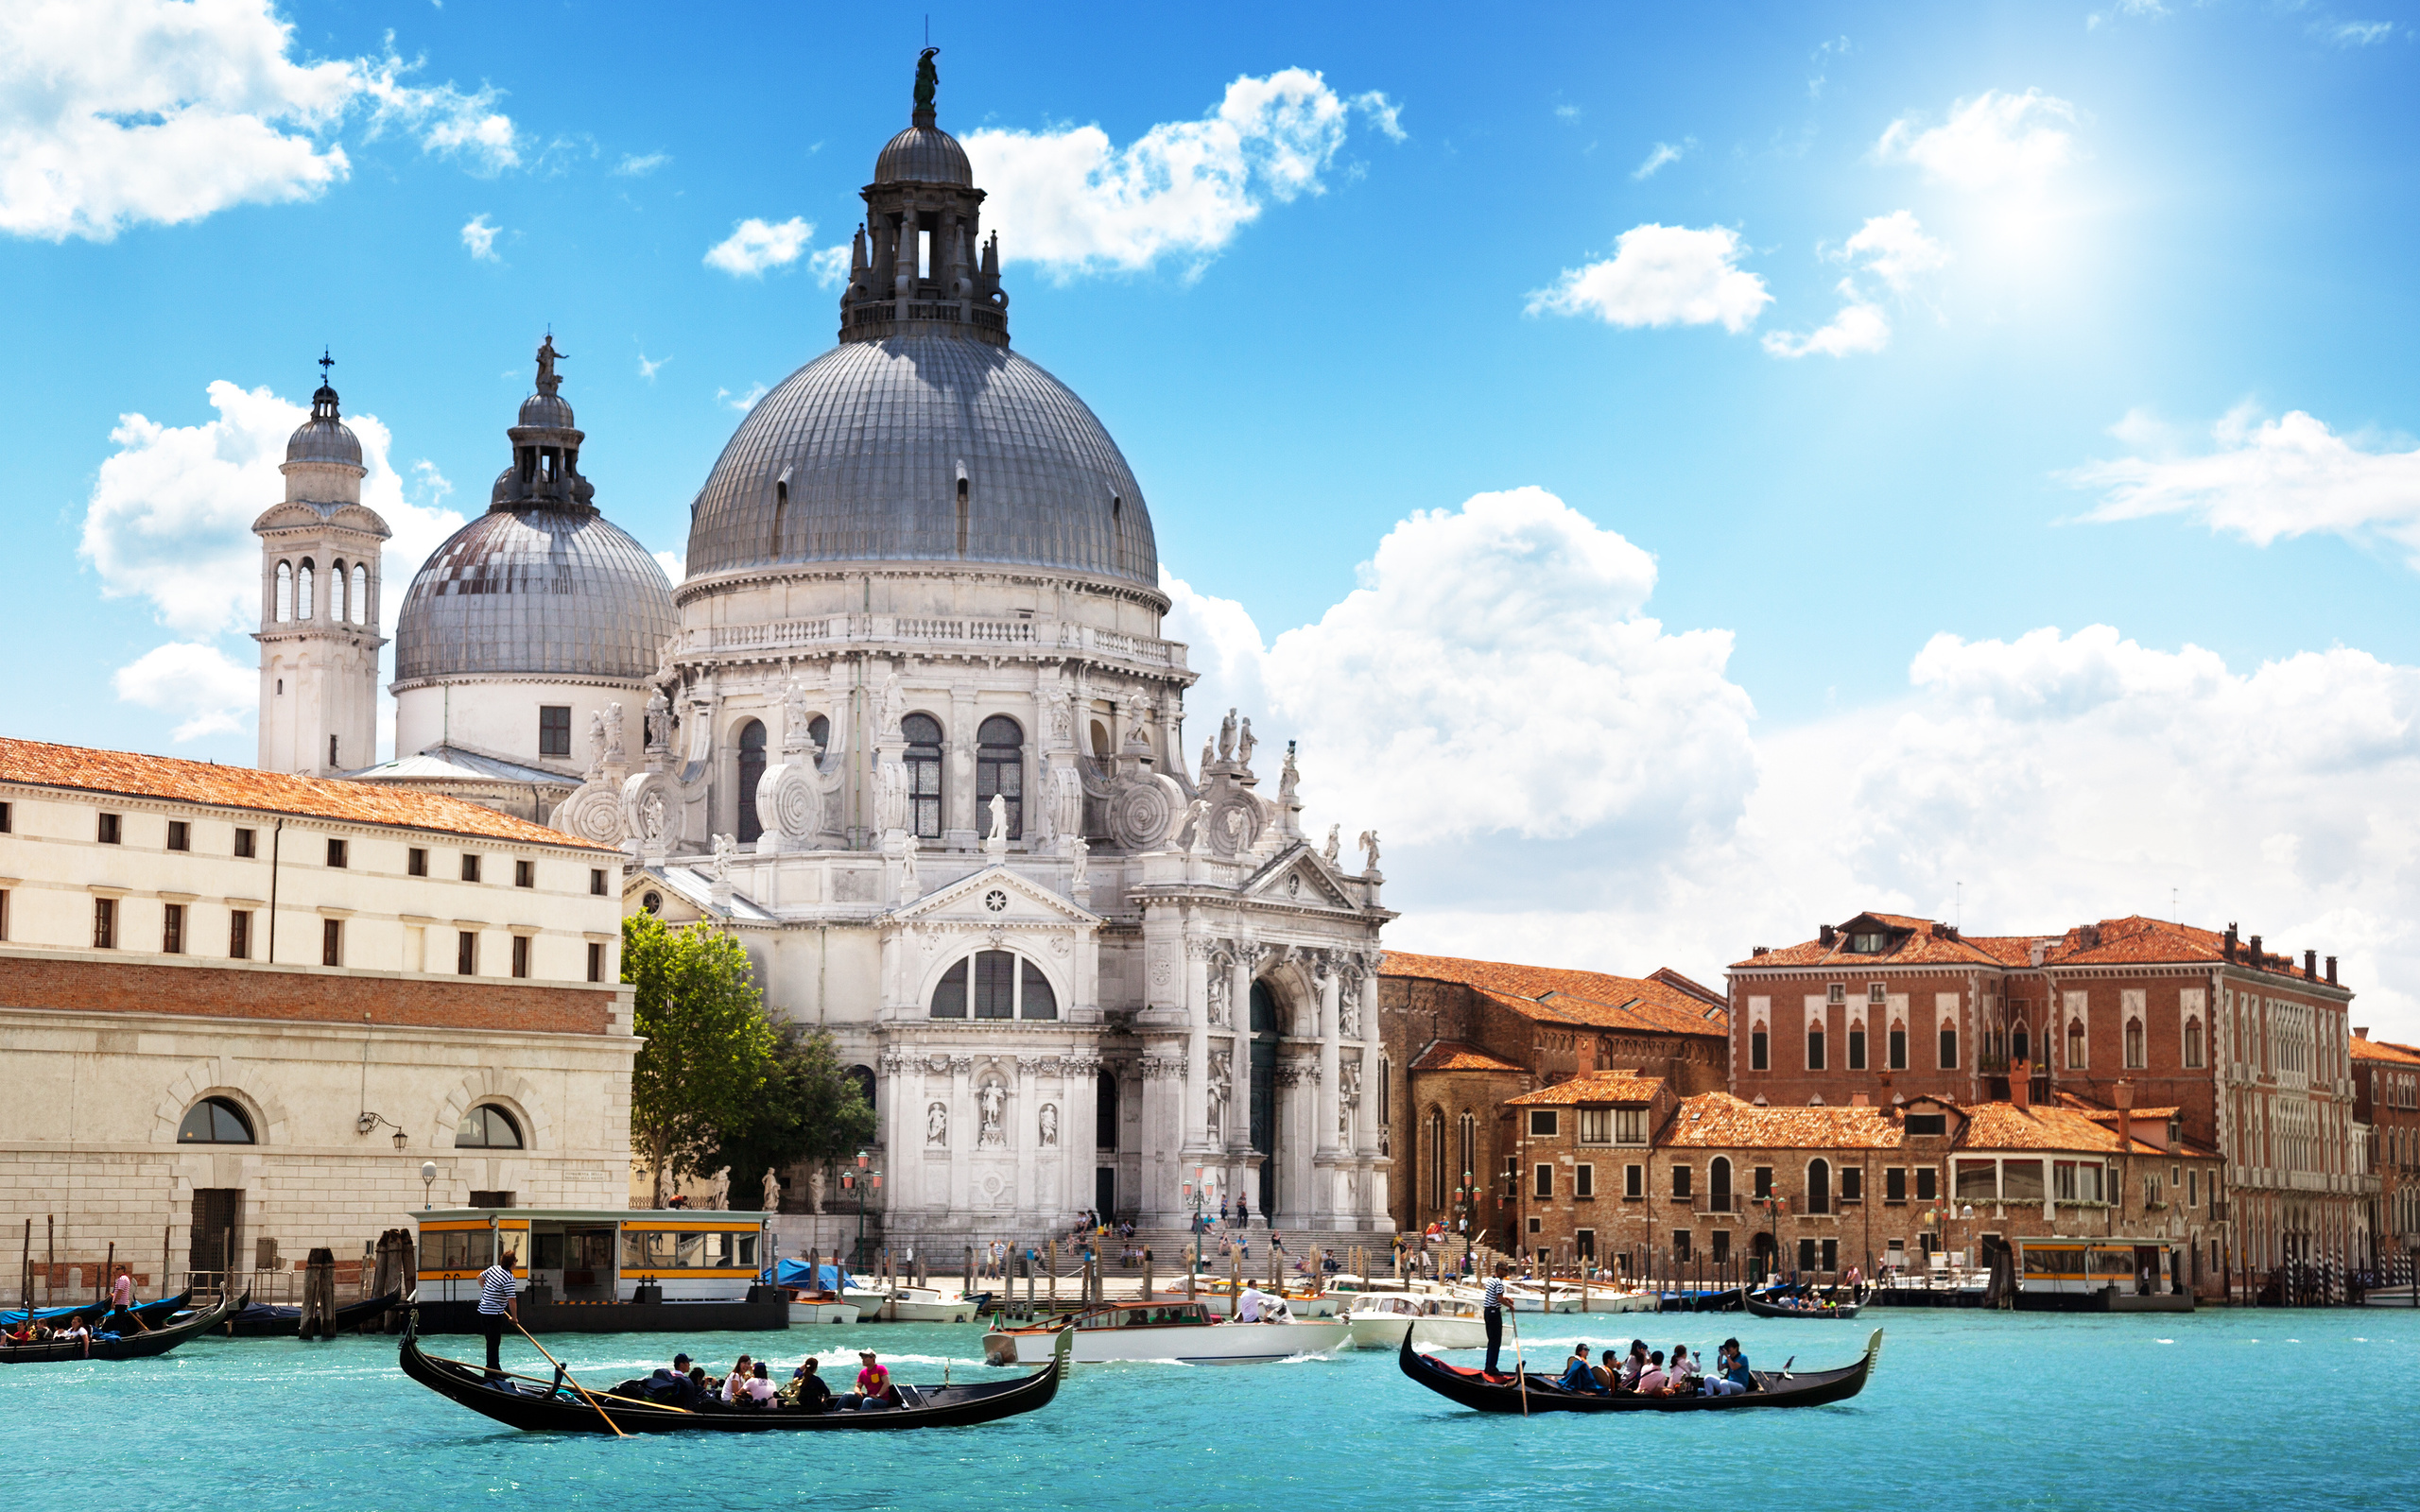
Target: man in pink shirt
{"points": [[122, 1303]]}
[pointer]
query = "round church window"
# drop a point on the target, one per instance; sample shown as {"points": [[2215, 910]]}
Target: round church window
{"points": [[996, 901]]}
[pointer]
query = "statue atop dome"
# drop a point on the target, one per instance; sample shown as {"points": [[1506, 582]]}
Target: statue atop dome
{"points": [[928, 79], [548, 380]]}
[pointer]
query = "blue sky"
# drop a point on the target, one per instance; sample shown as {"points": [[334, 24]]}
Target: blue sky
{"points": [[2103, 317]]}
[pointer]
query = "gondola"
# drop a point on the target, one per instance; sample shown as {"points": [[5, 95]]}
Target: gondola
{"points": [[128, 1346], [1481, 1392], [152, 1314], [544, 1406], [267, 1322], [1842, 1310]]}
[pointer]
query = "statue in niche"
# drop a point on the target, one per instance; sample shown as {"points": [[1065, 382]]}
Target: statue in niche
{"points": [[1334, 837], [1219, 986], [909, 889], [795, 718], [1369, 843], [1079, 855], [893, 706], [724, 847], [596, 744], [772, 1196], [1348, 1009], [1050, 1125], [1063, 723], [937, 1125], [614, 735], [992, 1103], [1213, 1111], [1227, 736], [1046, 813], [997, 842], [659, 721], [651, 817], [1244, 744]]}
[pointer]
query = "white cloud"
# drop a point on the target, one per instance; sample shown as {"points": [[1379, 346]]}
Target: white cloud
{"points": [[2152, 10], [169, 520], [1665, 153], [149, 111], [755, 245], [675, 563], [1859, 326], [1074, 202], [647, 369], [830, 266], [2266, 479], [636, 167], [1662, 275], [478, 235], [196, 681], [1894, 248], [742, 402], [2358, 33], [1992, 140]]}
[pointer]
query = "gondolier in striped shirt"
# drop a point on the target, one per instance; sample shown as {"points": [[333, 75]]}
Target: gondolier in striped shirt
{"points": [[1491, 1314], [498, 1306]]}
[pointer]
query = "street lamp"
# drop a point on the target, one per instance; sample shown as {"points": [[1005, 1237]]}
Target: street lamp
{"points": [[857, 1181], [1774, 1204], [427, 1183]]}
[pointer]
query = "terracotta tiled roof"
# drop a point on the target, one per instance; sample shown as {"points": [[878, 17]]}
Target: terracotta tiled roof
{"points": [[1597, 1086], [1453, 1055], [2386, 1051], [129, 774], [2130, 941], [1695, 988], [2005, 1126], [1592, 1000], [1721, 1121], [1913, 942]]}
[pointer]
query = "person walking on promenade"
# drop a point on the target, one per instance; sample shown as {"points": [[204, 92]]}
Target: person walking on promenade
{"points": [[1492, 1314], [496, 1306]]}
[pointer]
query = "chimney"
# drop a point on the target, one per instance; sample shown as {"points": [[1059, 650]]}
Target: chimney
{"points": [[2125, 1101], [2360, 1031], [1858, 1100], [2228, 944], [1826, 936], [2089, 936], [1766, 950], [2259, 961], [2331, 971], [2020, 1084]]}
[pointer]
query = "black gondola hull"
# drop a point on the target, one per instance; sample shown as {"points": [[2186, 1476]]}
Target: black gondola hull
{"points": [[286, 1322], [1759, 1309], [126, 1347], [1482, 1393]]}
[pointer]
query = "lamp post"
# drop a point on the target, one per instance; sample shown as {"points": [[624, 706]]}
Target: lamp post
{"points": [[1466, 1199], [427, 1183], [857, 1181]]}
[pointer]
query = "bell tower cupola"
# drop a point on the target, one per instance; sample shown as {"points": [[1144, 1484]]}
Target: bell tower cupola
{"points": [[920, 263]]}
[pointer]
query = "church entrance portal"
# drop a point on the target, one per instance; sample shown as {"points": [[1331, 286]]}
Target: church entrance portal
{"points": [[1264, 1092]]}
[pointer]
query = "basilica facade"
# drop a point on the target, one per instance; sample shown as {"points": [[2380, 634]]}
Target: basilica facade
{"points": [[908, 728]]}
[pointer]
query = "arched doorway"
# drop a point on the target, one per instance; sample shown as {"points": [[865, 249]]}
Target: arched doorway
{"points": [[752, 771], [1263, 1092], [1762, 1247]]}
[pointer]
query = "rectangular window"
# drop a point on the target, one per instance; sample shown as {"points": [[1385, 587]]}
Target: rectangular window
{"points": [[1836, 992], [1681, 1182], [1583, 1243], [104, 924], [1542, 1181], [1815, 1050], [2021, 1180], [1630, 1126], [1680, 1246], [2063, 1180], [2192, 1189], [597, 960], [1722, 1247], [1806, 1254], [1898, 1050], [1927, 1125], [554, 730], [1763, 1177], [1542, 1123], [8, 818], [1595, 1125], [1950, 1050], [1759, 1052], [470, 866], [335, 852], [1877, 993], [597, 882], [995, 974], [172, 930], [1857, 1050], [1895, 1184], [1584, 1179], [108, 834], [521, 955], [1977, 1181], [1831, 1254], [416, 862], [239, 935], [1852, 1183], [466, 953], [1633, 1180], [1927, 1183], [331, 942], [180, 835], [246, 845], [524, 873], [4, 913]]}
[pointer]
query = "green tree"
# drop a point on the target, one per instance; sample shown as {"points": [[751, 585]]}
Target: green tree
{"points": [[811, 1109], [709, 1046]]}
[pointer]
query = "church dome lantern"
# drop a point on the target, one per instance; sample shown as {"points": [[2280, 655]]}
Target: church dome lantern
{"points": [[325, 439]]}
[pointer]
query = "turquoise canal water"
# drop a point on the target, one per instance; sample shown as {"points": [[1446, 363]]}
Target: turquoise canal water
{"points": [[2217, 1409]]}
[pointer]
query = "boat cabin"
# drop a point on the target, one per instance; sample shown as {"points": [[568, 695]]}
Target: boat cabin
{"points": [[1146, 1315], [593, 1254]]}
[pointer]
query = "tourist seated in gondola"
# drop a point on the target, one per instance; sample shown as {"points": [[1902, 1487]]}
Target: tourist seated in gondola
{"points": [[1731, 1371], [874, 1389], [1577, 1374], [1634, 1366], [730, 1385], [1684, 1372], [807, 1390], [1609, 1373], [756, 1393], [1652, 1380], [74, 1332]]}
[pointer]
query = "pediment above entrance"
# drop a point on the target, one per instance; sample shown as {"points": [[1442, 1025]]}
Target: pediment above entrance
{"points": [[991, 898], [1301, 877]]}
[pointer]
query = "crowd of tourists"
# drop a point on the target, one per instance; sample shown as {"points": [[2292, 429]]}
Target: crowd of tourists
{"points": [[749, 1386]]}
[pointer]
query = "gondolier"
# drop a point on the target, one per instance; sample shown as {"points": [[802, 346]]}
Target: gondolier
{"points": [[1491, 1314], [497, 1307]]}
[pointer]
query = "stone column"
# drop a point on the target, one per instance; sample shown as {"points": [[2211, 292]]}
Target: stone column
{"points": [[1198, 966], [1246, 956], [962, 827], [1374, 1165], [891, 1071], [1329, 1146], [1163, 1070], [961, 1133]]}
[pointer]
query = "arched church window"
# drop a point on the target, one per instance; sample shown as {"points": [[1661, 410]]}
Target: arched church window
{"points": [[924, 735], [997, 985], [285, 591], [214, 1121], [335, 590], [1101, 740], [949, 998], [999, 768], [1105, 1110], [1818, 1186], [2020, 1044], [303, 591], [2133, 1045], [1035, 998], [1437, 1182], [752, 771], [818, 729], [487, 1128], [360, 598]]}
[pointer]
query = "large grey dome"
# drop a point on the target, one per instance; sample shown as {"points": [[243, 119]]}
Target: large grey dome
{"points": [[856, 456], [557, 592], [324, 438], [923, 154]]}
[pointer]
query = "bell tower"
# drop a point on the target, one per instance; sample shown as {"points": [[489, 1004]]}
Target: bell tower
{"points": [[319, 634]]}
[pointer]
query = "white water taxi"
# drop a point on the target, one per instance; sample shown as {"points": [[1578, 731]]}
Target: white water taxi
{"points": [[820, 1307], [925, 1304], [1377, 1322], [1170, 1330]]}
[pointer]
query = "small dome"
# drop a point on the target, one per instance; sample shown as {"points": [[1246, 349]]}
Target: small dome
{"points": [[548, 410], [324, 438], [549, 592], [924, 154]]}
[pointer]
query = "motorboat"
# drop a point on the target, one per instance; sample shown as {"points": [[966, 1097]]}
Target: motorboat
{"points": [[924, 1304], [820, 1307], [1378, 1321], [1186, 1332], [1219, 1297], [1525, 1298]]}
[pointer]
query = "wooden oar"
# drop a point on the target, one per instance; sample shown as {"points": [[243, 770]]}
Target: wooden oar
{"points": [[575, 1384], [1519, 1374]]}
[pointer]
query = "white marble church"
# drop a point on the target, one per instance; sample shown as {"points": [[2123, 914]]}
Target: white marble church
{"points": [[910, 730]]}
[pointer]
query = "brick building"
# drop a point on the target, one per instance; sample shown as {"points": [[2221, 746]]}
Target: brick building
{"points": [[1462, 1037], [2251, 1052], [2386, 1101], [243, 1008], [1620, 1170]]}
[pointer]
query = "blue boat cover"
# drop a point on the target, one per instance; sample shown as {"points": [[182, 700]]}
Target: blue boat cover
{"points": [[819, 1278]]}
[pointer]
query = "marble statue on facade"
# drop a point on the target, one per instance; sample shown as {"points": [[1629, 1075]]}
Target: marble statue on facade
{"points": [[996, 843], [1369, 843], [937, 1125], [1334, 837], [990, 1102], [1244, 743], [1050, 1125], [773, 1196]]}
